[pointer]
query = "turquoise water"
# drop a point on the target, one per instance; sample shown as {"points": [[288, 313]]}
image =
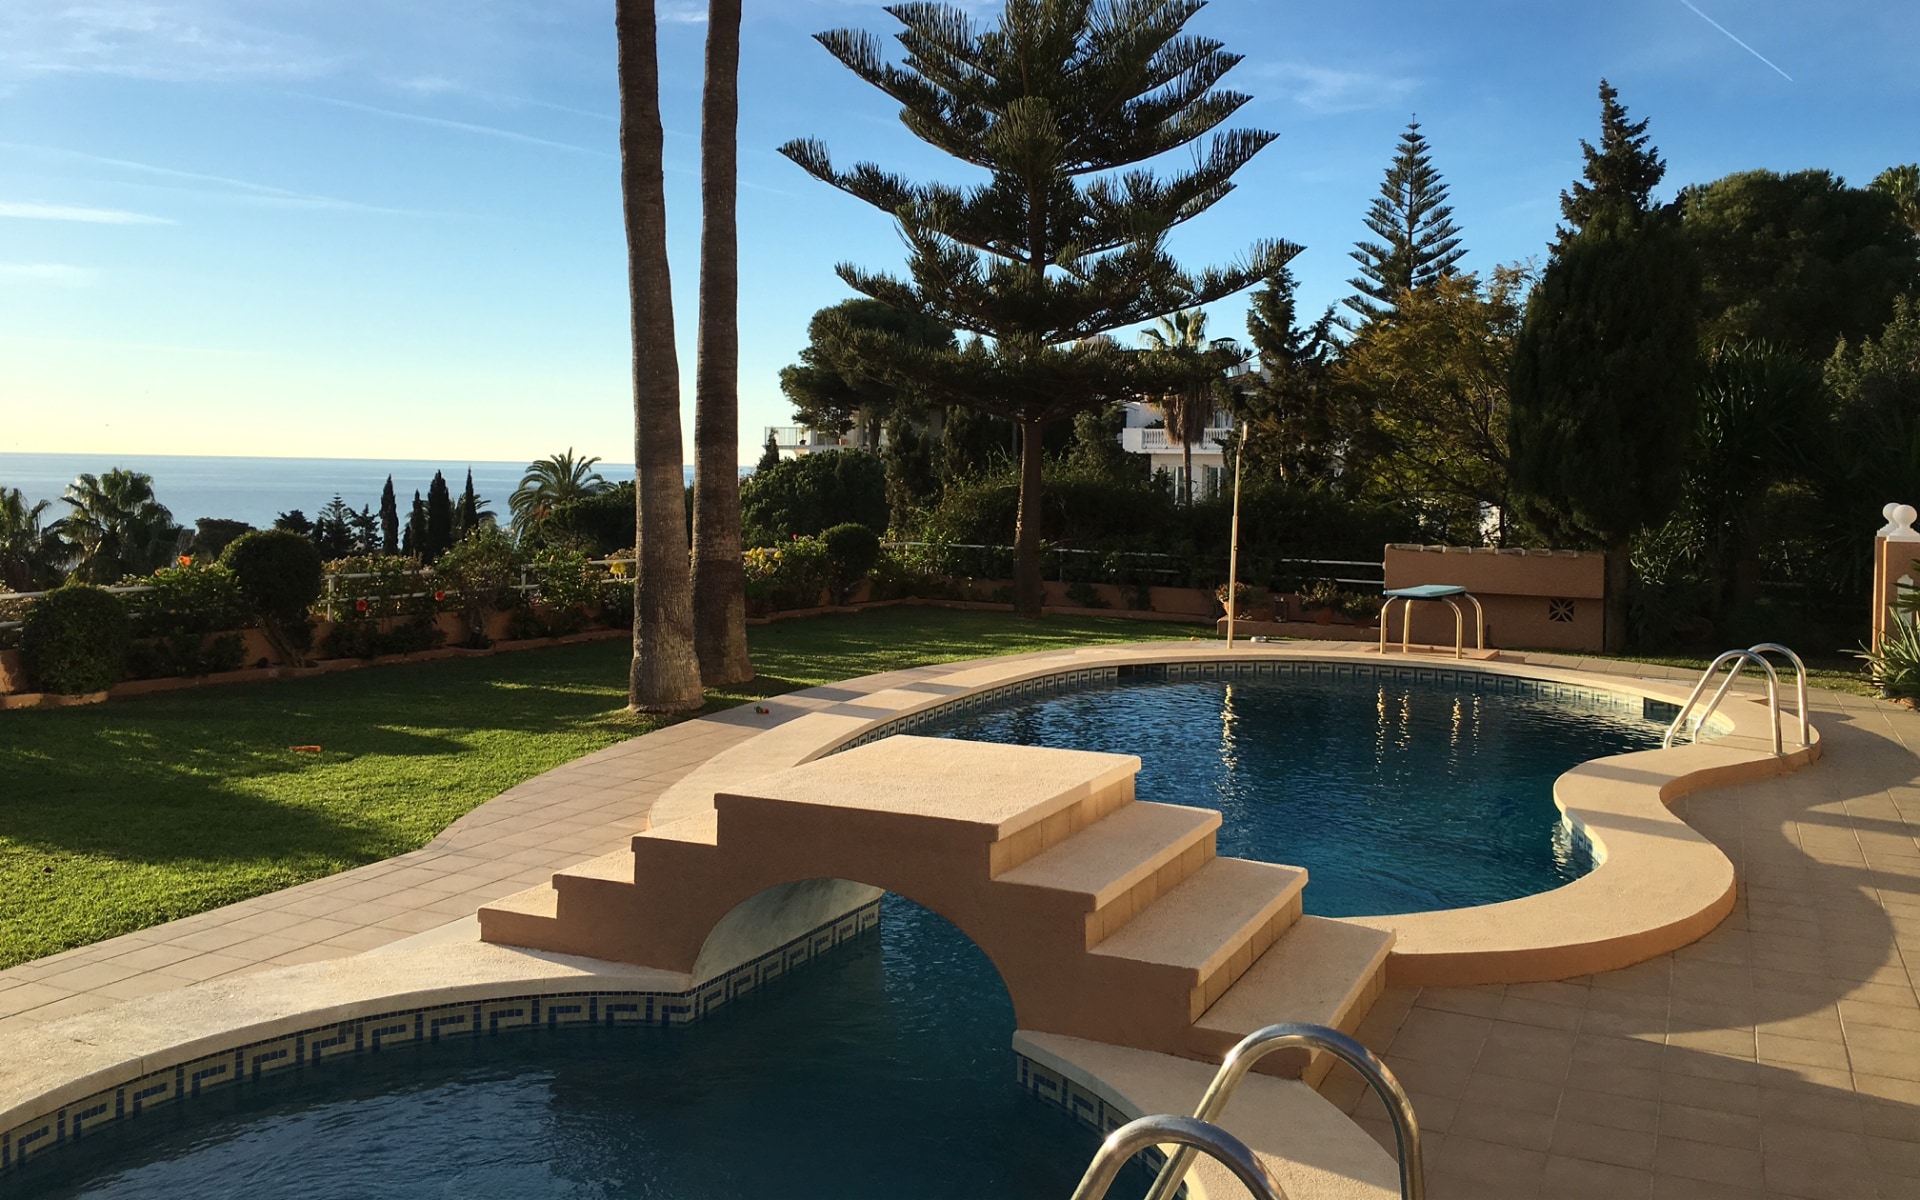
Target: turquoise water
{"points": [[1396, 796], [882, 1070]]}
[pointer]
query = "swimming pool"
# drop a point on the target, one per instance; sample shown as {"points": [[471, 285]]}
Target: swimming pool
{"points": [[885, 1069], [1397, 794]]}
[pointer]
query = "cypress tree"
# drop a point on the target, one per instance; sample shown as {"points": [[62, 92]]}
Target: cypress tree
{"points": [[770, 457], [1624, 169], [414, 540], [439, 530], [1056, 246], [467, 515], [1419, 242], [389, 520], [1604, 389]]}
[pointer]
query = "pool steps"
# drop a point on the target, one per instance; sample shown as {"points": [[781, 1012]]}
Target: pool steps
{"points": [[1110, 919]]}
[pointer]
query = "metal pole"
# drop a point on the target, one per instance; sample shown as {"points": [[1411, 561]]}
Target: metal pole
{"points": [[1233, 543]]}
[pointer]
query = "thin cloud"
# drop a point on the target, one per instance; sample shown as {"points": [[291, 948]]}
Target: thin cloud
{"points": [[170, 40], [682, 12], [87, 216], [59, 274], [226, 187], [1736, 41], [462, 126], [1330, 90]]}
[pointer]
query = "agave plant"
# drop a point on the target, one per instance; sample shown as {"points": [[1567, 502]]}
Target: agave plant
{"points": [[1895, 666], [116, 527], [549, 483]]}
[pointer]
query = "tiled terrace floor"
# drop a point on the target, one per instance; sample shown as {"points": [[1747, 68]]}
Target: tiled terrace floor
{"points": [[1780, 1056]]}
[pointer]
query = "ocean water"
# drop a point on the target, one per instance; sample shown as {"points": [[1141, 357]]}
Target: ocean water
{"points": [[255, 490]]}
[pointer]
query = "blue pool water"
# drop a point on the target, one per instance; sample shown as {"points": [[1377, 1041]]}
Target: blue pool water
{"points": [[881, 1070], [1396, 796]]}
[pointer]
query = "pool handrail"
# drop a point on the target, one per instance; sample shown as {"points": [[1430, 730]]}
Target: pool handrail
{"points": [[1739, 659], [1191, 1135], [1799, 681], [1262, 1042]]}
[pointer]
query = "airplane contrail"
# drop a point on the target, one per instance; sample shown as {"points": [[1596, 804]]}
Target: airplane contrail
{"points": [[1736, 41]]}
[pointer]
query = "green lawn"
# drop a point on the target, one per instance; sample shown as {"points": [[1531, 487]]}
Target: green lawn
{"points": [[125, 815]]}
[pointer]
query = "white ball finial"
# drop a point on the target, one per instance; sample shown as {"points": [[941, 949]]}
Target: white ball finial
{"points": [[1899, 526]]}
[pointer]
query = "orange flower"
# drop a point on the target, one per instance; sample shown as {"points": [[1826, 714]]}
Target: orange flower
{"points": [[186, 560]]}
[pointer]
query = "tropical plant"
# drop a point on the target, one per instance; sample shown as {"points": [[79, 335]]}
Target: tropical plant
{"points": [[1419, 243], [719, 588], [548, 483], [665, 674], [28, 551], [1056, 247], [279, 572], [1895, 666], [116, 527], [1191, 366], [74, 640]]}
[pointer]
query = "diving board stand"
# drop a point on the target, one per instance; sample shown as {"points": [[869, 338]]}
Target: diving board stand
{"points": [[1444, 593]]}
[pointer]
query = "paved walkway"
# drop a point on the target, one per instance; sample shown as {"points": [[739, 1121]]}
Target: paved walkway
{"points": [[1779, 1056]]}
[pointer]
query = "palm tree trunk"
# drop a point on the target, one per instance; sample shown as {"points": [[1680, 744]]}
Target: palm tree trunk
{"points": [[666, 673], [1028, 591], [719, 578]]}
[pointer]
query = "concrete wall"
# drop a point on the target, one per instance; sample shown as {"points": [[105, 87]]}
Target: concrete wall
{"points": [[1541, 599]]}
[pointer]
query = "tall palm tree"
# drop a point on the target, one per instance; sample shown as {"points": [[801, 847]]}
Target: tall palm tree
{"points": [[25, 547], [1191, 365], [719, 578], [116, 527], [549, 483], [666, 672]]}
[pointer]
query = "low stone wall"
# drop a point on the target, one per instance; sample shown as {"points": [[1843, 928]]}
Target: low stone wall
{"points": [[1534, 599]]}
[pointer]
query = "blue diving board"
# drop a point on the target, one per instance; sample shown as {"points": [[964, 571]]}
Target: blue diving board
{"points": [[1444, 593]]}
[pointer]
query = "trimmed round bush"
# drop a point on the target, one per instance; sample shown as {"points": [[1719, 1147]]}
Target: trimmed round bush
{"points": [[278, 571], [74, 640], [852, 551]]}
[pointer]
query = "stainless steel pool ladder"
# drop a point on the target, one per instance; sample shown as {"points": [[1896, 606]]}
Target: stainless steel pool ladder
{"points": [[1262, 1042], [1739, 659], [1190, 1134]]}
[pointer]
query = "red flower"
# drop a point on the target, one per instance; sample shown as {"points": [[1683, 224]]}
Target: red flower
{"points": [[439, 595], [186, 560], [359, 606]]}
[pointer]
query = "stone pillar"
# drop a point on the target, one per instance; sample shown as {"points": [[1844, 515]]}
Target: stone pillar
{"points": [[1895, 547]]}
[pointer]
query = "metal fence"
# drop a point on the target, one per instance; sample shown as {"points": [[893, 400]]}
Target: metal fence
{"points": [[1121, 567]]}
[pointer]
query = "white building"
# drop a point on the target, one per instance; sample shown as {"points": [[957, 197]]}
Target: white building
{"points": [[1145, 433], [796, 440]]}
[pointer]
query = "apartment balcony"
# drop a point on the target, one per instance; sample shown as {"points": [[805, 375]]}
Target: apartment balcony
{"points": [[798, 439]]}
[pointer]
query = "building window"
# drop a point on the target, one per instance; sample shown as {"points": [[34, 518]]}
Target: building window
{"points": [[1561, 611]]}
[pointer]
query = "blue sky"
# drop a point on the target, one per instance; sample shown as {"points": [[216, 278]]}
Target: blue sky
{"points": [[376, 228]]}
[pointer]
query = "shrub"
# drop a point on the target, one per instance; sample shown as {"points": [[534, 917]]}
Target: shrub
{"points": [[75, 640], [852, 550], [482, 570], [787, 577], [364, 638], [597, 524], [1895, 667], [803, 496], [184, 622], [279, 573]]}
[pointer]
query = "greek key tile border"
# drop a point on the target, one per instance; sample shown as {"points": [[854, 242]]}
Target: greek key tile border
{"points": [[414, 1026], [1088, 1108], [1481, 682]]}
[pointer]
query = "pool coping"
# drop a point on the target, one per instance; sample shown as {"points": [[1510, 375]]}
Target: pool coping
{"points": [[1657, 884]]}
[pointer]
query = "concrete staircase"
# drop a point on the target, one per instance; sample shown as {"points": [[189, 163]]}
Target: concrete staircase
{"points": [[1109, 919]]}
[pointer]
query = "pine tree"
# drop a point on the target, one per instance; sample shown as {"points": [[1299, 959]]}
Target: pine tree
{"points": [[439, 530], [333, 529], [1292, 403], [1419, 242], [1056, 247], [770, 457], [1603, 389], [389, 520], [1623, 170]]}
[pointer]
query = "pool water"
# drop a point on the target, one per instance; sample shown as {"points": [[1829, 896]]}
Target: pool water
{"points": [[1396, 796], [881, 1070]]}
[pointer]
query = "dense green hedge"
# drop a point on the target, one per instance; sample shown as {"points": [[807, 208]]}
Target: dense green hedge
{"points": [[75, 640]]}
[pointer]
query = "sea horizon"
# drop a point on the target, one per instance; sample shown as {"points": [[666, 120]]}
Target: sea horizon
{"points": [[257, 488]]}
